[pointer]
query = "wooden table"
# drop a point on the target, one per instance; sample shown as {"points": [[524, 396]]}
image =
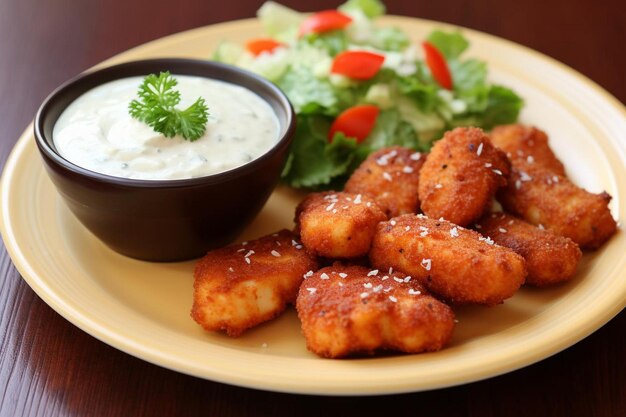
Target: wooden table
{"points": [[49, 367]]}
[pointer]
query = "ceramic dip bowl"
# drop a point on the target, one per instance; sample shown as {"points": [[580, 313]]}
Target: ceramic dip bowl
{"points": [[170, 219]]}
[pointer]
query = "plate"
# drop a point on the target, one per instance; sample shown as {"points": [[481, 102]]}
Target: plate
{"points": [[143, 308]]}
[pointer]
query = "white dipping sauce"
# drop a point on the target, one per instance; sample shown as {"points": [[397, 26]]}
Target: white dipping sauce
{"points": [[96, 132]]}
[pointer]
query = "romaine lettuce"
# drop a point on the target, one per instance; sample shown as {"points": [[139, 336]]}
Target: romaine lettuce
{"points": [[414, 109]]}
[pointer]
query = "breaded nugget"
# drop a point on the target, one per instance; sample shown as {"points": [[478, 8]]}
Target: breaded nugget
{"points": [[461, 175], [391, 177], [351, 309], [542, 197], [454, 263], [550, 258], [241, 286], [526, 143], [338, 224]]}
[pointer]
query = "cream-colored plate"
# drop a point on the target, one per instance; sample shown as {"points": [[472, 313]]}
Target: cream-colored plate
{"points": [[143, 308]]}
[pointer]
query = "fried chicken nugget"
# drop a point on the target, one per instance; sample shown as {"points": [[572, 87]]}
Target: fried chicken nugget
{"points": [[461, 175], [338, 224], [542, 197], [241, 286], [526, 143], [454, 263], [391, 177], [550, 258], [350, 309]]}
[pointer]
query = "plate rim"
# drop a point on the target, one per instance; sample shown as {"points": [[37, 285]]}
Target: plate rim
{"points": [[34, 281]]}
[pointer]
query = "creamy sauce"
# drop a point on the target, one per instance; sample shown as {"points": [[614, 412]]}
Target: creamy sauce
{"points": [[97, 133]]}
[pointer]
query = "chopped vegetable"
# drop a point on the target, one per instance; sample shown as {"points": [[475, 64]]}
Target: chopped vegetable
{"points": [[336, 63], [258, 46], [324, 21], [359, 65], [156, 108], [437, 64], [371, 8], [356, 122]]}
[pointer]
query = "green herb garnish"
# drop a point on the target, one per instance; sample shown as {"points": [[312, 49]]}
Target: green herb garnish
{"points": [[156, 108]]}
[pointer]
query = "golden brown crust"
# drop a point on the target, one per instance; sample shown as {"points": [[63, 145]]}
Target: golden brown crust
{"points": [[461, 175], [542, 197], [550, 259], [526, 143], [338, 224], [391, 177], [241, 286], [362, 312], [454, 263]]}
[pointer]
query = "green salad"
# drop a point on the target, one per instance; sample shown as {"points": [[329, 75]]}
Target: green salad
{"points": [[357, 87]]}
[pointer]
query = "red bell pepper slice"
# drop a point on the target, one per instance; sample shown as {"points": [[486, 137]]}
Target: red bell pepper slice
{"points": [[324, 21], [438, 66], [357, 122], [360, 65]]}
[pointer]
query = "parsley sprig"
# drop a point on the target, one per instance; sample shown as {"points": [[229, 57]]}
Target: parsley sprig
{"points": [[156, 108]]}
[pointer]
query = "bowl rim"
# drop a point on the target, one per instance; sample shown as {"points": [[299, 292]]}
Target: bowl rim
{"points": [[68, 86]]}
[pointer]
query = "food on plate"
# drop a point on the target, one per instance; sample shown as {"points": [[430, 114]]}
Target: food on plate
{"points": [[370, 104], [348, 310], [526, 143], [154, 140], [437, 65], [461, 175], [552, 201], [357, 65], [391, 177], [324, 21], [337, 61], [454, 263], [382, 300], [262, 45], [355, 122], [550, 258], [338, 224], [241, 286]]}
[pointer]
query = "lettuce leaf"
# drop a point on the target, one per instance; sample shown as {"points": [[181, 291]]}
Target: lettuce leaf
{"points": [[451, 45], [390, 39], [307, 93], [486, 105], [424, 95], [370, 8], [391, 130], [280, 22], [332, 42], [315, 162], [414, 108], [468, 74], [503, 107], [492, 105]]}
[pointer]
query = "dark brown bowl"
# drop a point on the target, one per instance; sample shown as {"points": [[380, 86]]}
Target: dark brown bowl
{"points": [[165, 220]]}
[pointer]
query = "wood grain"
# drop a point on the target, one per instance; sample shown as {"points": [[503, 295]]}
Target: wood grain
{"points": [[49, 367]]}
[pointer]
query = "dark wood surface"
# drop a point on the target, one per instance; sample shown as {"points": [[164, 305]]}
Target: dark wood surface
{"points": [[49, 367]]}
